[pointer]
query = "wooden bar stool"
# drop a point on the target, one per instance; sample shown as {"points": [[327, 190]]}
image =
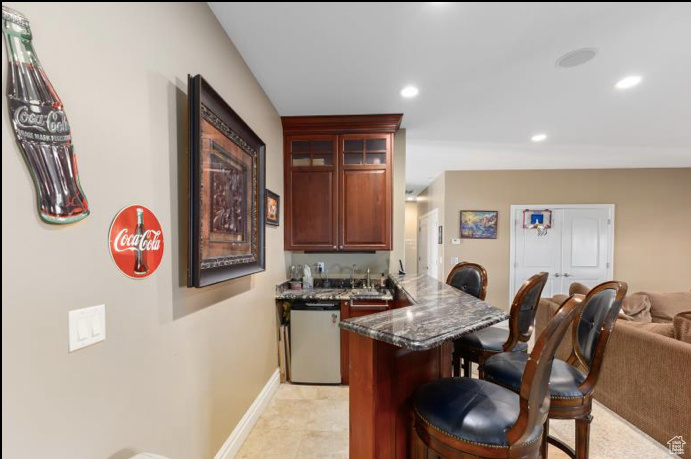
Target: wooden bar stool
{"points": [[571, 390], [478, 346], [470, 418], [470, 278]]}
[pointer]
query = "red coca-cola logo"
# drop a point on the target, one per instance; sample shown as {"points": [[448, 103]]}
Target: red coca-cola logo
{"points": [[135, 241]]}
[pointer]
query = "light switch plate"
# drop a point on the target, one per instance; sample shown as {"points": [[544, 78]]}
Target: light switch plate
{"points": [[87, 326], [456, 241]]}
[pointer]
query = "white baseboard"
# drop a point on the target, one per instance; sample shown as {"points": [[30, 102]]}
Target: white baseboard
{"points": [[237, 437]]}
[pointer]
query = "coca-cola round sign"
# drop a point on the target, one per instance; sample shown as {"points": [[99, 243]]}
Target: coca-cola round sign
{"points": [[136, 241]]}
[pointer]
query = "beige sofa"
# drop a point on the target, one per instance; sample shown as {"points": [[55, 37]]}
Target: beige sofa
{"points": [[646, 374]]}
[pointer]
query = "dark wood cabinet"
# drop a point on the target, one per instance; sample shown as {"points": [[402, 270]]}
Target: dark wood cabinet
{"points": [[311, 205], [338, 182], [356, 308]]}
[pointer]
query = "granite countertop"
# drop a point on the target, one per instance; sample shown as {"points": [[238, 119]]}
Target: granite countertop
{"points": [[334, 293], [438, 313]]}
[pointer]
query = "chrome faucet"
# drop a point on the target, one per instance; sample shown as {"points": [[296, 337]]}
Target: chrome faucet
{"points": [[369, 280], [352, 276]]}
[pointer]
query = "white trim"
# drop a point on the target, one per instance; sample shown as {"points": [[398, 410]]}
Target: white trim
{"points": [[239, 434], [514, 222]]}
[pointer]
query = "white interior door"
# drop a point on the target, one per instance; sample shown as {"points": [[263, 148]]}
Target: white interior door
{"points": [[422, 263], [578, 248], [586, 247], [534, 254], [428, 249]]}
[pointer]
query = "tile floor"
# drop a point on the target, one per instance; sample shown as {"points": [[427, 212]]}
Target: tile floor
{"points": [[304, 422]]}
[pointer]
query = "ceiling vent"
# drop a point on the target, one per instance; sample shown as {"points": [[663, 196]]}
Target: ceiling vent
{"points": [[576, 58]]}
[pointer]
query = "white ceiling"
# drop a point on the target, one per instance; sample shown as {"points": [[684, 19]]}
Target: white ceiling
{"points": [[487, 77]]}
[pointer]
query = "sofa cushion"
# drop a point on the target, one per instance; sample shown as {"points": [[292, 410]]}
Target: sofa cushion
{"points": [[657, 328], [576, 288], [636, 307], [664, 306], [682, 326], [559, 298]]}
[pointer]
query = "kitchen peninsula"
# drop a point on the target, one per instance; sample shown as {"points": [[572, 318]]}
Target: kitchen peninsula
{"points": [[394, 352]]}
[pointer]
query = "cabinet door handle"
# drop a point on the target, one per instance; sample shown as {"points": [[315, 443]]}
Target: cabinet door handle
{"points": [[567, 275], [557, 275]]}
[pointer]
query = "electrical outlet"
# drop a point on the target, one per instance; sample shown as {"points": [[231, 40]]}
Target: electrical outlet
{"points": [[320, 267]]}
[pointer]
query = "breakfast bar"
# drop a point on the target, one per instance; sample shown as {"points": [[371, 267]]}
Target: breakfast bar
{"points": [[394, 352]]}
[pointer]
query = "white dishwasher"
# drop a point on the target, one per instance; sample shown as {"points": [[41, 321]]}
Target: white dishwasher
{"points": [[315, 342]]}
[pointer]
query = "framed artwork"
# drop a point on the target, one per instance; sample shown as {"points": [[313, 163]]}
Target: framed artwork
{"points": [[227, 203], [273, 208], [479, 224]]}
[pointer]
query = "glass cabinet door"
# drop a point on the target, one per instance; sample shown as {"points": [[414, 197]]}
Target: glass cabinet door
{"points": [[365, 149], [313, 151]]}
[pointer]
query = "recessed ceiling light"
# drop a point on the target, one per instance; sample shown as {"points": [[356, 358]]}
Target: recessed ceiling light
{"points": [[628, 82], [409, 91], [539, 137]]}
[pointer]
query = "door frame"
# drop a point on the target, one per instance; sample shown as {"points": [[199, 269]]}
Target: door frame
{"points": [[514, 223], [432, 238]]}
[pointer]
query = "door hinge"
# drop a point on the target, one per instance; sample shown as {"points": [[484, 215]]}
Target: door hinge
{"points": [[608, 264], [609, 221]]}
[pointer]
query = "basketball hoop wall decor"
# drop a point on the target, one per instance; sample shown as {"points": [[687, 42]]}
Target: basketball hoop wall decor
{"points": [[538, 219]]}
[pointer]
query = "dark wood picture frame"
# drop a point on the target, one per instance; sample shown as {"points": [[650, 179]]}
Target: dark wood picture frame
{"points": [[227, 204], [270, 221]]}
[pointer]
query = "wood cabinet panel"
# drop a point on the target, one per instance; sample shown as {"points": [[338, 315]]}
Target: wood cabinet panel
{"points": [[362, 308], [365, 210], [338, 182], [311, 215]]}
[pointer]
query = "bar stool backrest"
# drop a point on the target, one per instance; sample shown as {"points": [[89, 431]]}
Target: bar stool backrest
{"points": [[523, 310], [470, 278], [534, 392], [593, 328]]}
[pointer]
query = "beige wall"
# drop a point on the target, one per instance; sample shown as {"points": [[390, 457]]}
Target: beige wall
{"points": [[378, 262], [652, 220], [180, 366], [411, 233]]}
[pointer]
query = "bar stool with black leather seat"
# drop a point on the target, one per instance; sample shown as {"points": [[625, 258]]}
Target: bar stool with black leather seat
{"points": [[464, 418], [470, 278], [478, 346], [571, 390]]}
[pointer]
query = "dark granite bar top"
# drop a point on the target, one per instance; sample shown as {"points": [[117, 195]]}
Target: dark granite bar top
{"points": [[438, 313], [334, 292]]}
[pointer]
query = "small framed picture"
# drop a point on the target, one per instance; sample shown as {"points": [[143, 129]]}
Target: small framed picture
{"points": [[479, 224], [273, 208]]}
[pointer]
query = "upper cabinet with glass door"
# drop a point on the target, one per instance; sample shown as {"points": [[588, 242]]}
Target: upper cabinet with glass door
{"points": [[312, 151], [366, 149], [338, 182]]}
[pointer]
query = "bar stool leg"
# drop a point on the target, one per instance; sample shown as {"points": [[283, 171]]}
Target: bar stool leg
{"points": [[419, 449], [583, 437], [544, 446]]}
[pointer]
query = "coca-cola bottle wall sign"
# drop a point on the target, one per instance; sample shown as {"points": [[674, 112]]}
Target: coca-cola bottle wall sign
{"points": [[136, 241], [41, 127]]}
